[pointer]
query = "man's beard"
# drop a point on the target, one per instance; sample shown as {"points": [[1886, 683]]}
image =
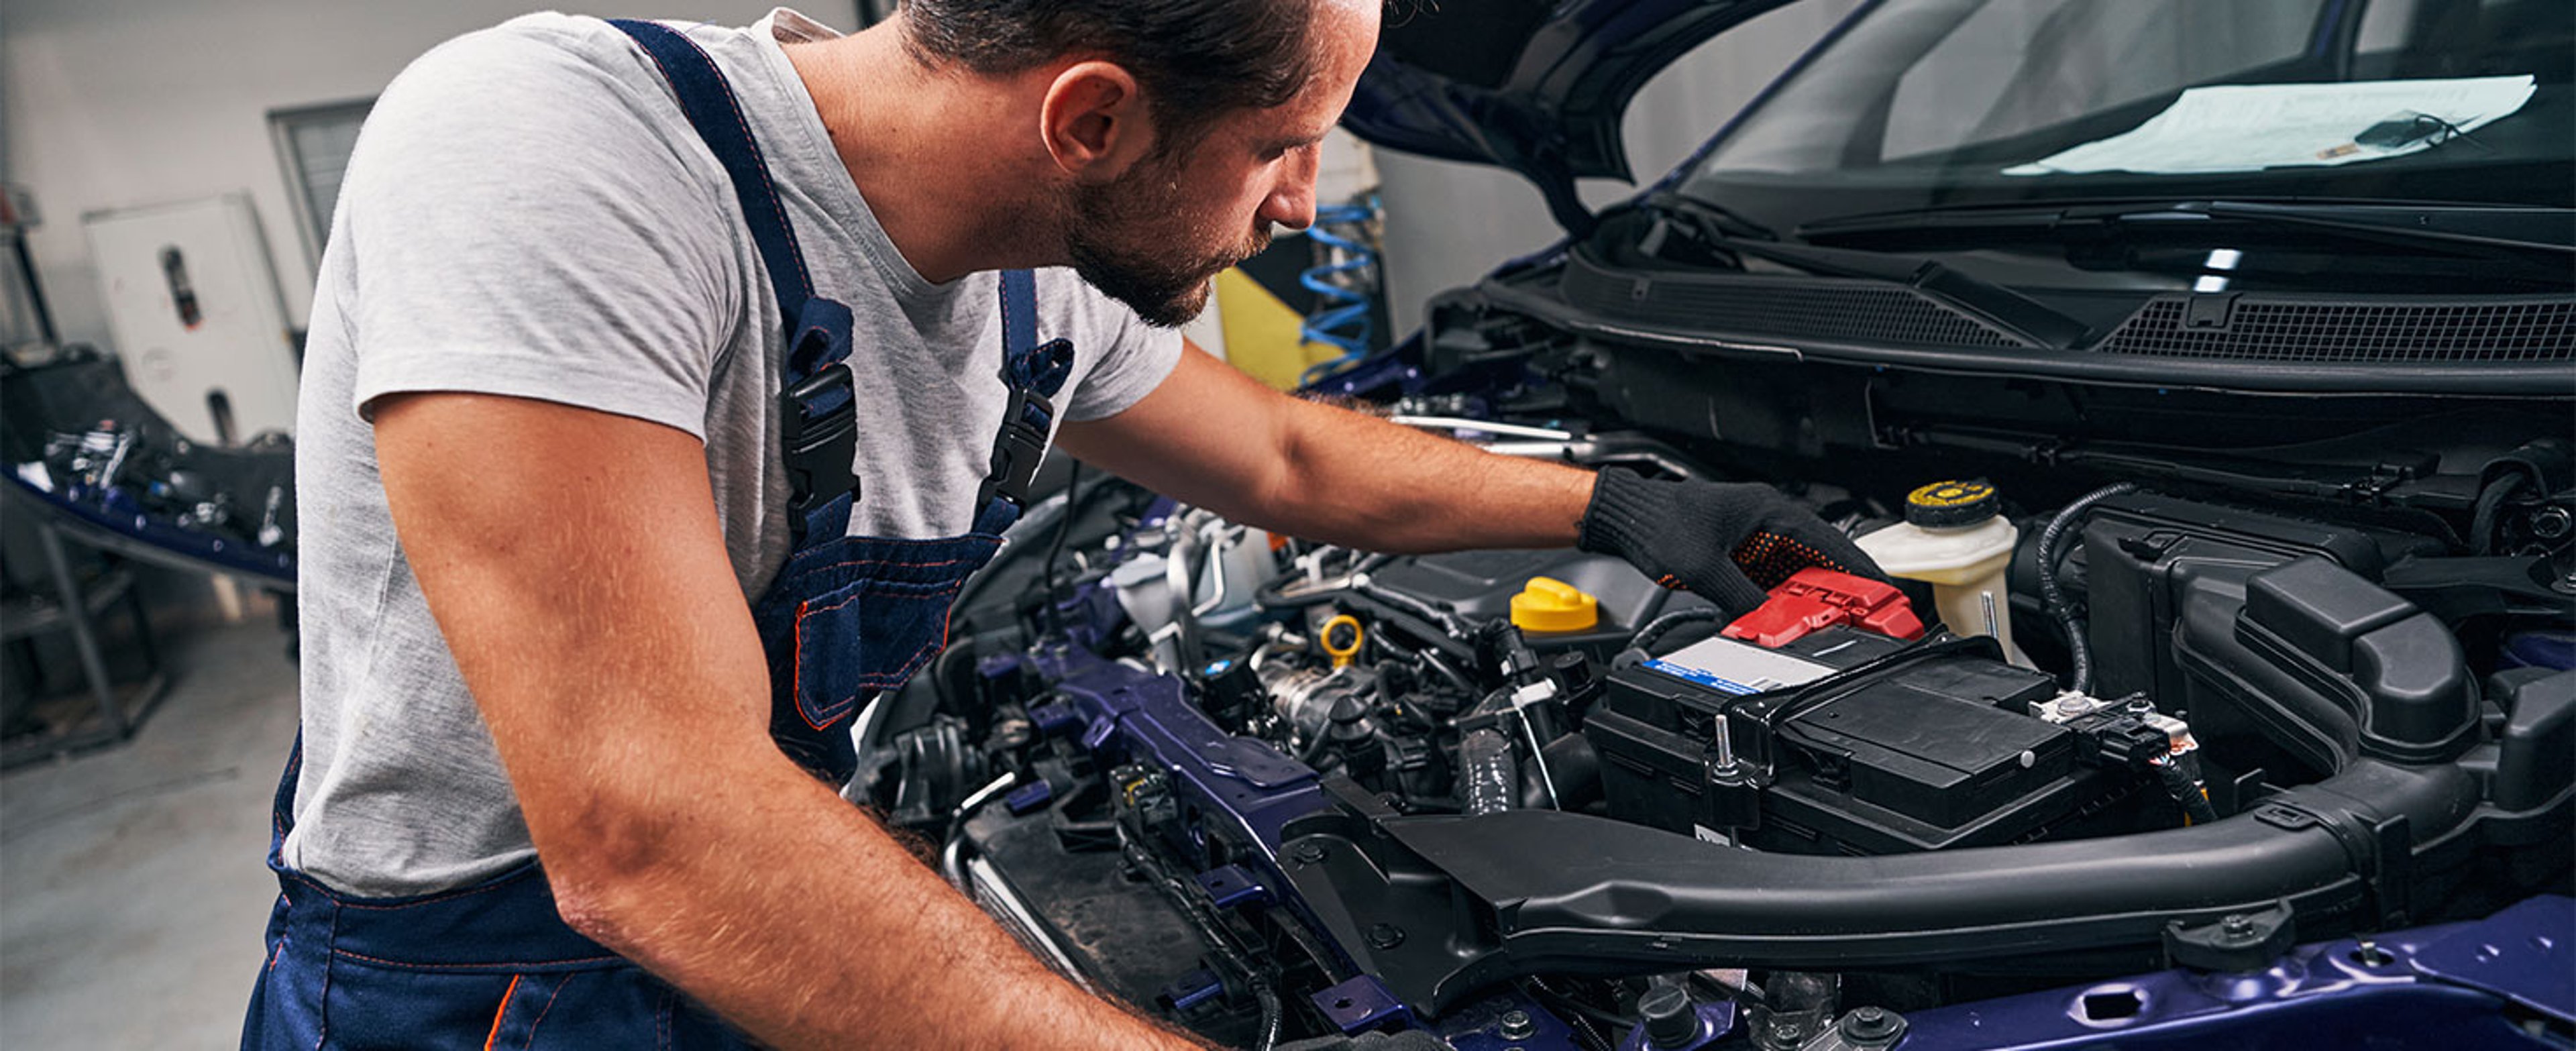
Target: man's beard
{"points": [[1127, 239]]}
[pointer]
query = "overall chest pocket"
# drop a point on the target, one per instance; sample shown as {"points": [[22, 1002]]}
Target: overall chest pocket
{"points": [[871, 616]]}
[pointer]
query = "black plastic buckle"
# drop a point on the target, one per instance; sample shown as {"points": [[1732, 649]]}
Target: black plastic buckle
{"points": [[821, 451], [1017, 450]]}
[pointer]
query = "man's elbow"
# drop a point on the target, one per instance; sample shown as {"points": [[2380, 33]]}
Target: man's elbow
{"points": [[615, 870]]}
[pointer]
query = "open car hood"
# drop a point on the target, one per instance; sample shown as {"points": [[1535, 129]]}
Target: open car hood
{"points": [[1534, 86]]}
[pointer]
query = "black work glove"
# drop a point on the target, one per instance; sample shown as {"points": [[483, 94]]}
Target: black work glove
{"points": [[1730, 543], [1408, 1040]]}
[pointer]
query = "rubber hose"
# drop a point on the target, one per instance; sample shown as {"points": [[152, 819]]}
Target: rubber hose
{"points": [[2490, 500], [1267, 594], [1451, 675], [1490, 776], [1270, 1016], [2079, 650]]}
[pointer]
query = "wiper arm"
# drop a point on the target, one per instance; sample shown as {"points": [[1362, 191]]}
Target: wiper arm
{"points": [[1715, 227], [2520, 229], [1706, 217], [2494, 227]]}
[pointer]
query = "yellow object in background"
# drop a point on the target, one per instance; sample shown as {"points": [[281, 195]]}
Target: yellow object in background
{"points": [[1262, 334], [1549, 604]]}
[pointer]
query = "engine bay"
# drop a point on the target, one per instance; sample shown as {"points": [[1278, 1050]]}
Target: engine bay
{"points": [[1529, 799]]}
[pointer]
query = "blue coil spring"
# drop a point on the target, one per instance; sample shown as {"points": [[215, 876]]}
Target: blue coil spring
{"points": [[1345, 288]]}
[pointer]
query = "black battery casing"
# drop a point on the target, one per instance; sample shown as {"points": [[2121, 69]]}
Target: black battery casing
{"points": [[1923, 754]]}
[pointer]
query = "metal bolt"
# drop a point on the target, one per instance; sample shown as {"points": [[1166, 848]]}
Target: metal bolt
{"points": [[2236, 926], [1518, 1025], [2551, 522], [1869, 1024], [1311, 852], [1385, 936]]}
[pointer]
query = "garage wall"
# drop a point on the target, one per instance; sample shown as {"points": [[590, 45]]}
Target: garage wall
{"points": [[118, 103], [1447, 224]]}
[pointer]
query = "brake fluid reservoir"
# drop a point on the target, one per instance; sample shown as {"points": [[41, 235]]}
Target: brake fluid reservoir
{"points": [[1954, 539]]}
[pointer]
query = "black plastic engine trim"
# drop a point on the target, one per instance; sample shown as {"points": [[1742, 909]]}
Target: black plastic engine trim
{"points": [[1614, 898]]}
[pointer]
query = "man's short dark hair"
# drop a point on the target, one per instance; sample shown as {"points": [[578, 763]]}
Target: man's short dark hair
{"points": [[1196, 60]]}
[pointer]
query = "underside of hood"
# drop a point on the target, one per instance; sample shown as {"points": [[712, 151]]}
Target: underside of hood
{"points": [[1529, 85]]}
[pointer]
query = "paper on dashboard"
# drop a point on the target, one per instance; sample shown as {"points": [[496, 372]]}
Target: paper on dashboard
{"points": [[2249, 127]]}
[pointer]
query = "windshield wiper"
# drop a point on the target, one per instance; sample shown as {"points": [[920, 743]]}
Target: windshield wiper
{"points": [[1716, 227], [2550, 230]]}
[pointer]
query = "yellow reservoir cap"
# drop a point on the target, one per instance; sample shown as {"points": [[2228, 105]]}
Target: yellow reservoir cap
{"points": [[1549, 604]]}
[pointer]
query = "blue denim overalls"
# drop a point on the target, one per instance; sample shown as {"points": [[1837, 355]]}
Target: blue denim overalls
{"points": [[492, 965]]}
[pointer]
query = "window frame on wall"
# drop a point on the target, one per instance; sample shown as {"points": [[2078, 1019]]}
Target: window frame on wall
{"points": [[285, 125]]}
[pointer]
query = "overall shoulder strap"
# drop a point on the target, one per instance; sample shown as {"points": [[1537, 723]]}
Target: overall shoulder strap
{"points": [[1034, 372], [717, 116], [818, 425]]}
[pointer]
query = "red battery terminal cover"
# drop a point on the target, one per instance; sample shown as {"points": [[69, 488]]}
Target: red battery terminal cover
{"points": [[1818, 598]]}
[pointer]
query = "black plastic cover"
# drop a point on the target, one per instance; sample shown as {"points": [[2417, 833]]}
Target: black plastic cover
{"points": [[2143, 550], [2398, 670], [2537, 750]]}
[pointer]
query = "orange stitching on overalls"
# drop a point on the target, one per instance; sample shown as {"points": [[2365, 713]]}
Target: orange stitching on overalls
{"points": [[541, 1013], [796, 674], [513, 964], [501, 1012], [936, 591], [887, 562]]}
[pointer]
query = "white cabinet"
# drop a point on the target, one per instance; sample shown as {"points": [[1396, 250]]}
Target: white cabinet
{"points": [[193, 304]]}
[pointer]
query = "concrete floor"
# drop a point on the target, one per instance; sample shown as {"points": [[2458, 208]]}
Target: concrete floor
{"points": [[133, 883]]}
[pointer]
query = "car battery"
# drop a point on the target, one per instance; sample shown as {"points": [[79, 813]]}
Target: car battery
{"points": [[1840, 741]]}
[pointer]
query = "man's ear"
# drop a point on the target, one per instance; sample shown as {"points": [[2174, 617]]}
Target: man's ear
{"points": [[1094, 121]]}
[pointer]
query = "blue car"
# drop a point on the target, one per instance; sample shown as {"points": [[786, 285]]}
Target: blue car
{"points": [[2241, 336]]}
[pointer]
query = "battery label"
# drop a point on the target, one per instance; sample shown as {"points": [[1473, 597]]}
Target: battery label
{"points": [[1728, 666]]}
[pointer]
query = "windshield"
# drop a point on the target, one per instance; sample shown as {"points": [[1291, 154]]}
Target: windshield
{"points": [[1925, 104]]}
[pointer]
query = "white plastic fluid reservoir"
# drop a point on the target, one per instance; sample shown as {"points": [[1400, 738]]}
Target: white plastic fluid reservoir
{"points": [[1954, 539]]}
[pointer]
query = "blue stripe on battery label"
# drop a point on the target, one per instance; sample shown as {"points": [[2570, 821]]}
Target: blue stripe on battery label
{"points": [[1684, 671]]}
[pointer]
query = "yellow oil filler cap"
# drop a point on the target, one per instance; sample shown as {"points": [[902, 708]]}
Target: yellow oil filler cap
{"points": [[1549, 604]]}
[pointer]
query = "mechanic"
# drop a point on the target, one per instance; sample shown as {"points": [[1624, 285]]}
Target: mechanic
{"points": [[650, 421]]}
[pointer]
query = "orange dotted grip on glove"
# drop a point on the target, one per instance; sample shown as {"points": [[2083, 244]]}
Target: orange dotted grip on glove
{"points": [[1769, 559]]}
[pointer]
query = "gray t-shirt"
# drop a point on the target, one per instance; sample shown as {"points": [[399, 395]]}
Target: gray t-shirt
{"points": [[529, 214]]}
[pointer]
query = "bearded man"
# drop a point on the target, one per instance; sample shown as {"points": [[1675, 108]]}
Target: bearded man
{"points": [[664, 384]]}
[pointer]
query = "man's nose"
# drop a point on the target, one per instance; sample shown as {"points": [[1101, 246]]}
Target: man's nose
{"points": [[1292, 202]]}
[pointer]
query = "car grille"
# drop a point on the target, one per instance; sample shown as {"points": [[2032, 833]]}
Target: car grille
{"points": [[2250, 328]]}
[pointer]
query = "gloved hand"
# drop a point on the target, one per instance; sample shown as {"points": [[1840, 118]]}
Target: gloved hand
{"points": [[1730, 543], [1408, 1040]]}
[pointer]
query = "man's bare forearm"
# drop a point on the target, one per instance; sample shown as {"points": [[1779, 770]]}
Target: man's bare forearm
{"points": [[599, 624], [832, 934], [1359, 480]]}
